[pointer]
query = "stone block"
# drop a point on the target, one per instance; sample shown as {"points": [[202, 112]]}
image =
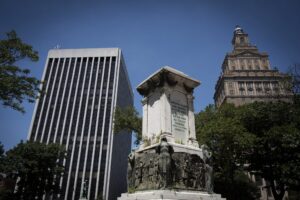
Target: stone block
{"points": [[169, 195]]}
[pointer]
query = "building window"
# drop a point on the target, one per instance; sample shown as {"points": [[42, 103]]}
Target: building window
{"points": [[233, 67], [267, 86], [241, 88], [241, 85], [231, 92], [275, 86], [250, 88], [258, 88], [257, 67]]}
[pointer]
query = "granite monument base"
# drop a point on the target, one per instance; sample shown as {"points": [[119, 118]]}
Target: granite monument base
{"points": [[170, 195]]}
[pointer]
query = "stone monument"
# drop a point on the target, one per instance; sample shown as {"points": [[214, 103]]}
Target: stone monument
{"points": [[169, 164]]}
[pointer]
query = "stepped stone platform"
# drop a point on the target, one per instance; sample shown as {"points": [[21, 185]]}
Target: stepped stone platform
{"points": [[170, 195]]}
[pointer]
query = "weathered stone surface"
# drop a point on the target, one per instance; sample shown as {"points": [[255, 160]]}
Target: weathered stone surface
{"points": [[162, 168], [168, 108], [169, 195]]}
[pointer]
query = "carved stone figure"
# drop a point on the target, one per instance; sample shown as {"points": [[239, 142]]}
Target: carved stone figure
{"points": [[206, 153], [140, 171], [130, 170], [196, 175], [185, 172], [156, 174], [177, 170], [164, 163], [208, 178], [151, 171], [161, 168], [136, 178], [200, 177], [208, 169]]}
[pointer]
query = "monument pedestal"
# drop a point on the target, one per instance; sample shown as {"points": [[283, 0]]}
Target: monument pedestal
{"points": [[169, 195], [169, 164]]}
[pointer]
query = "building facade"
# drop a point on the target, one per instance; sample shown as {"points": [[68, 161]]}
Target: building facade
{"points": [[81, 89], [247, 76]]}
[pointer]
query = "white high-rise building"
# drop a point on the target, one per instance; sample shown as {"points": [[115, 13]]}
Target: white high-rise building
{"points": [[82, 87]]}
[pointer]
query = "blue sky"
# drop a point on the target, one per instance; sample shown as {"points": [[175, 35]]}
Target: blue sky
{"points": [[190, 35]]}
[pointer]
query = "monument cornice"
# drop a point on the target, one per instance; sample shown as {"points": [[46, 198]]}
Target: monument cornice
{"points": [[170, 76]]}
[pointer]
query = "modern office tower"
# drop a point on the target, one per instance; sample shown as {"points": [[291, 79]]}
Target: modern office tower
{"points": [[247, 77], [82, 87]]}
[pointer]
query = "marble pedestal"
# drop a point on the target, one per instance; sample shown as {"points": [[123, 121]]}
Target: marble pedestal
{"points": [[169, 195]]}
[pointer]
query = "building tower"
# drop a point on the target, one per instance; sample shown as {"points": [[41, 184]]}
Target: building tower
{"points": [[247, 76], [82, 88]]}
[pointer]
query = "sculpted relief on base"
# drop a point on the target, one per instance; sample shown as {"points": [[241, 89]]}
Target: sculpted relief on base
{"points": [[162, 168]]}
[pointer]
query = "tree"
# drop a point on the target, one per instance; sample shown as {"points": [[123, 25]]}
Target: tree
{"points": [[16, 84], [127, 119], [292, 82], [294, 72], [1, 157], [275, 154], [35, 169], [228, 140], [262, 138]]}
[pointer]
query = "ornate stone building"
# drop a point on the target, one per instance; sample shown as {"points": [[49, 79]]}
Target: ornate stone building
{"points": [[247, 75]]}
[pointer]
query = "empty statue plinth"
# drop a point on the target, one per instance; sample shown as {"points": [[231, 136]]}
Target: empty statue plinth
{"points": [[169, 164]]}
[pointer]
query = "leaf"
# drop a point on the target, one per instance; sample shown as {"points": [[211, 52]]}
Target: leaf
{"points": [[16, 84]]}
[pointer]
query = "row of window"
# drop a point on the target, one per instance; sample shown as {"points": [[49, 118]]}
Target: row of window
{"points": [[51, 69], [252, 88], [248, 64], [248, 61], [249, 67]]}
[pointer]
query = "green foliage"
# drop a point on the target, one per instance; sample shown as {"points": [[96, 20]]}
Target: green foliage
{"points": [[16, 84], [276, 151], [131, 190], [240, 187], [34, 168], [293, 80], [146, 142], [1, 157], [127, 119], [264, 136], [228, 140]]}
